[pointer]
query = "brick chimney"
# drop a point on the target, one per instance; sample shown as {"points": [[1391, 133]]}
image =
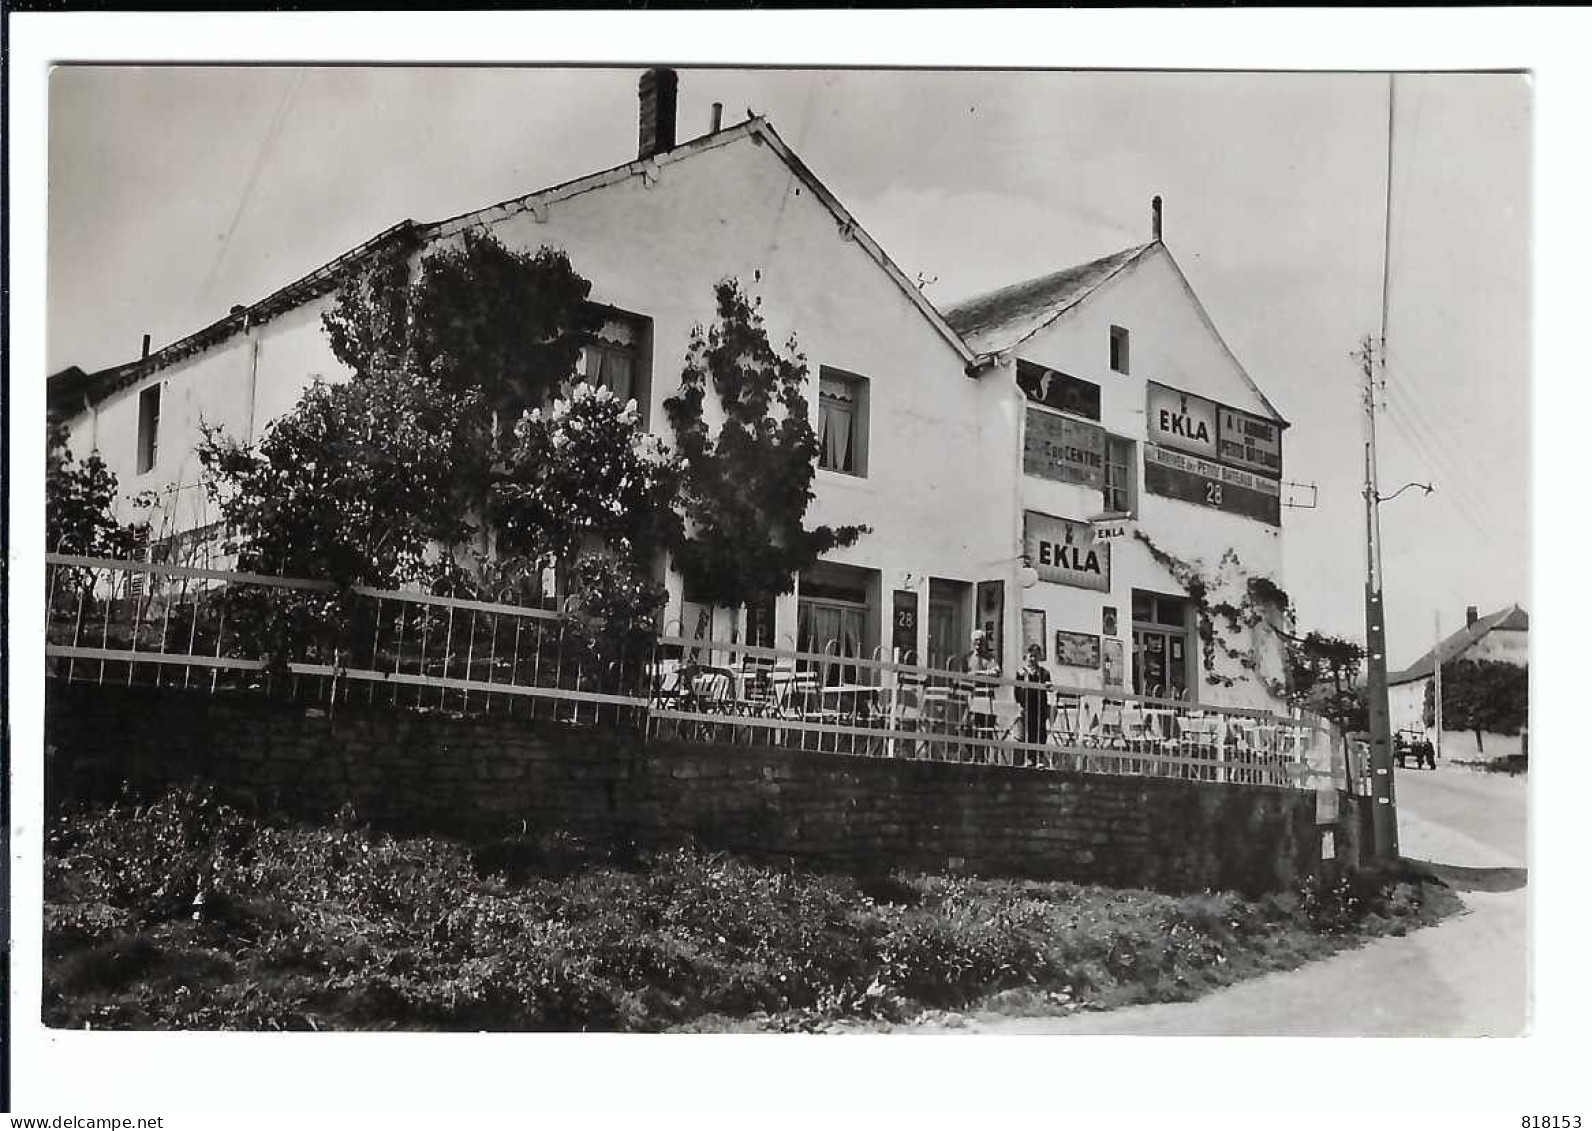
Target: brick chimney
{"points": [[1470, 615], [659, 90]]}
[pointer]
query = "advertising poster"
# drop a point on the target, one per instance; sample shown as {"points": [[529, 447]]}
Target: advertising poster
{"points": [[1065, 552], [1077, 649], [1062, 449], [1174, 475], [1034, 632], [1249, 441], [1181, 420], [1112, 663], [1057, 390]]}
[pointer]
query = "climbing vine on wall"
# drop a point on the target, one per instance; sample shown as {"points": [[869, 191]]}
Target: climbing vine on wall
{"points": [[1262, 603]]}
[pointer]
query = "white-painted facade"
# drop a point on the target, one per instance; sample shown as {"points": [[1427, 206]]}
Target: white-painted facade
{"points": [[943, 491], [1171, 343]]}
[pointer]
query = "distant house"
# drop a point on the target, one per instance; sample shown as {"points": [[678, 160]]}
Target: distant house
{"points": [[1502, 635]]}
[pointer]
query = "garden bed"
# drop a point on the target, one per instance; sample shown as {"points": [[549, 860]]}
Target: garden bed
{"points": [[192, 913]]}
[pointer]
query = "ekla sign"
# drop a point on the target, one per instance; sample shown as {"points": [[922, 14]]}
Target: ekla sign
{"points": [[1064, 551], [1181, 420]]}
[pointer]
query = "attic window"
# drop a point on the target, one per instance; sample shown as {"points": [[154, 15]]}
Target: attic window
{"points": [[1119, 349], [148, 428]]}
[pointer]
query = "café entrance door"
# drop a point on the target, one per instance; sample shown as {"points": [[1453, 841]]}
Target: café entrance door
{"points": [[1161, 646]]}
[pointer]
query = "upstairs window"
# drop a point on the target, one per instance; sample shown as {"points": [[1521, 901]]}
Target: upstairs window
{"points": [[1119, 350], [842, 422], [148, 428], [1119, 495], [617, 360]]}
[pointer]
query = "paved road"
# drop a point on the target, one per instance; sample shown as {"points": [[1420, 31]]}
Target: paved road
{"points": [[1464, 977]]}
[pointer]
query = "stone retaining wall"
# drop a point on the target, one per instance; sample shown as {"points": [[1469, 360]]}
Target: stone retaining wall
{"points": [[484, 777]]}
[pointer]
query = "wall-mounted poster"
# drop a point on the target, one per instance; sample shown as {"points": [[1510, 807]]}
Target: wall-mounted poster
{"points": [[1112, 663], [1204, 483], [1108, 620], [1077, 649], [1066, 552], [1066, 450], [1034, 632], [1057, 390], [1181, 420]]}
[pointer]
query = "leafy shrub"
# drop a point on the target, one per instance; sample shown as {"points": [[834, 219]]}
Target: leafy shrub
{"points": [[192, 913]]}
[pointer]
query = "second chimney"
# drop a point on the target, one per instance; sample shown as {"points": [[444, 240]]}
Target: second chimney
{"points": [[659, 89], [1470, 615]]}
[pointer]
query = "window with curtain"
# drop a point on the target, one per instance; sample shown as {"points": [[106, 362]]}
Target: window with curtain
{"points": [[842, 422], [617, 359], [610, 367]]}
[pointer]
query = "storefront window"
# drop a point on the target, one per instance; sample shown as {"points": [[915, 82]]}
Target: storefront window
{"points": [[1162, 646]]}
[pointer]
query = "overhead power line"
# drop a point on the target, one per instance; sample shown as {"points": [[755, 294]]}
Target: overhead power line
{"points": [[272, 132]]}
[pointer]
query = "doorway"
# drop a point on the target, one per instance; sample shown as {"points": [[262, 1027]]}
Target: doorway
{"points": [[948, 634], [1162, 646]]}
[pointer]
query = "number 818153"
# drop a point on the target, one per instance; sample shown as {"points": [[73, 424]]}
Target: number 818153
{"points": [[1550, 1122]]}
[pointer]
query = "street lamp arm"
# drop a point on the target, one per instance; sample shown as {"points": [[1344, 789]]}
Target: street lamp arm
{"points": [[1427, 487]]}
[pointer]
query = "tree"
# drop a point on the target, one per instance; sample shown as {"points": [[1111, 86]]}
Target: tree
{"points": [[585, 485], [584, 474], [353, 485], [1322, 672], [748, 485], [79, 504], [505, 327], [392, 477], [1482, 695]]}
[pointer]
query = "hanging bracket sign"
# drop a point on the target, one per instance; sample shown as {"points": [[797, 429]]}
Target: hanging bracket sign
{"points": [[1113, 527]]}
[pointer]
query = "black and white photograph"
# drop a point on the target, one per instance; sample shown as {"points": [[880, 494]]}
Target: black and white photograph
{"points": [[662, 549]]}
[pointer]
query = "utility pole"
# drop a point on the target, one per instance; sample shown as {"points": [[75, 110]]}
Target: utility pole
{"points": [[1384, 807], [1437, 680]]}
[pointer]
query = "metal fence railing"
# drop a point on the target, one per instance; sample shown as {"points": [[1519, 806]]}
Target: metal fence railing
{"points": [[731, 693], [167, 625]]}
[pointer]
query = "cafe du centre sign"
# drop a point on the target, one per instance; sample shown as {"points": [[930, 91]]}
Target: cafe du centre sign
{"points": [[1237, 464]]}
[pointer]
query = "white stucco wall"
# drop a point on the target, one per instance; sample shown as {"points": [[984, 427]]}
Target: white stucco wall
{"points": [[253, 376], [1171, 344]]}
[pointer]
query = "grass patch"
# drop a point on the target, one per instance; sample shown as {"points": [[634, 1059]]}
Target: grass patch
{"points": [[192, 913]]}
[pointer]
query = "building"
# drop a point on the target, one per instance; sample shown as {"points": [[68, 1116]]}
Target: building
{"points": [[1504, 636], [1047, 462]]}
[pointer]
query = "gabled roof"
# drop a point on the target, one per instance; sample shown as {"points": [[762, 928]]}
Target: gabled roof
{"points": [[999, 320], [71, 384], [1513, 618], [760, 133]]}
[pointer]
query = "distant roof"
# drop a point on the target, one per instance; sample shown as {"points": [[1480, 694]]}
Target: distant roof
{"points": [[70, 385], [1002, 318], [1512, 618]]}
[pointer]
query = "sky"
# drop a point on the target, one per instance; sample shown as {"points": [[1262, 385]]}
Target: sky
{"points": [[176, 192]]}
